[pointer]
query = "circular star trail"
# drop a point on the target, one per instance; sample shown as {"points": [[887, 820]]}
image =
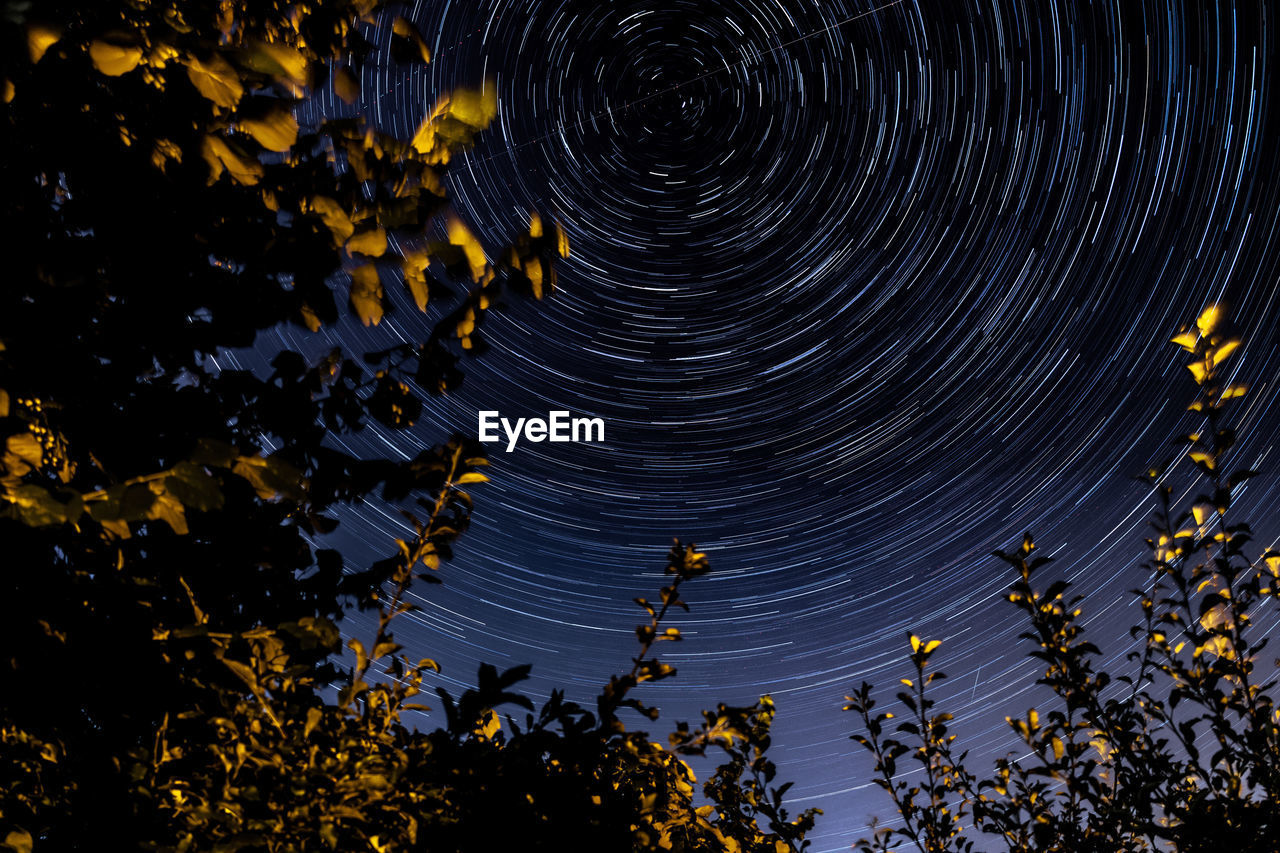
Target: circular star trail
{"points": [[861, 294]]}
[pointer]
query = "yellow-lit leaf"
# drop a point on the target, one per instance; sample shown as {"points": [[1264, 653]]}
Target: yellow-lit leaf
{"points": [[117, 527], [40, 37], [310, 318], [25, 448], [164, 151], [8, 90], [366, 294], [1233, 391], [335, 217], [372, 243], [1214, 617], [490, 725], [113, 59], [562, 241], [452, 124], [216, 80], [460, 235], [277, 131], [1186, 340], [931, 645], [1217, 646], [535, 225], [313, 720], [1058, 748], [1209, 319], [346, 85], [414, 266], [221, 156], [1224, 352], [1203, 458], [533, 271], [19, 840], [1199, 371], [282, 62], [167, 508], [472, 477], [475, 108]]}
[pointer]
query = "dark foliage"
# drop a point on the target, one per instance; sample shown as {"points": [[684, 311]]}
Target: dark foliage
{"points": [[1182, 753], [168, 608]]}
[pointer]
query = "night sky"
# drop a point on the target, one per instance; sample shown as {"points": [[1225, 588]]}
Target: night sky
{"points": [[861, 294]]}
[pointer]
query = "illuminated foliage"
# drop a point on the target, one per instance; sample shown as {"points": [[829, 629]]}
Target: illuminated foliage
{"points": [[173, 673], [1182, 753]]}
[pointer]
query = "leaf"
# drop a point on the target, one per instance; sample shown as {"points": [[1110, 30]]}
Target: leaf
{"points": [[276, 131], [270, 476], [36, 506], [167, 508], [471, 477], [26, 450], [194, 486], [244, 671], [40, 37], [366, 294], [407, 44], [114, 60], [310, 318], [1186, 340], [1209, 319], [346, 85], [334, 216], [372, 243], [19, 840], [460, 235], [216, 80], [453, 123], [313, 720], [362, 658], [221, 156], [476, 108], [286, 64], [490, 725], [413, 266], [1224, 352]]}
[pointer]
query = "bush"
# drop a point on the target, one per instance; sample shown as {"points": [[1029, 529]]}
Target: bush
{"points": [[1181, 753], [169, 605]]}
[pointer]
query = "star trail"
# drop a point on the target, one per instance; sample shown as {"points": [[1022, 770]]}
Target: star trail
{"points": [[861, 293]]}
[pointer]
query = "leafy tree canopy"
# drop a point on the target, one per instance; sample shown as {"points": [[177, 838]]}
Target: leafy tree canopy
{"points": [[1182, 751], [168, 602]]}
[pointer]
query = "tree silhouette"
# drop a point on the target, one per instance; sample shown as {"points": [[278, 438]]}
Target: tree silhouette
{"points": [[168, 602], [1185, 755]]}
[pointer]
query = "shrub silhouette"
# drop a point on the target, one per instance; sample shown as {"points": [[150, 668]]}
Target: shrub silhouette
{"points": [[1186, 756], [169, 601]]}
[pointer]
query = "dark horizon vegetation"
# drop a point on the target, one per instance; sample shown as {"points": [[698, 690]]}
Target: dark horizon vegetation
{"points": [[172, 598]]}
